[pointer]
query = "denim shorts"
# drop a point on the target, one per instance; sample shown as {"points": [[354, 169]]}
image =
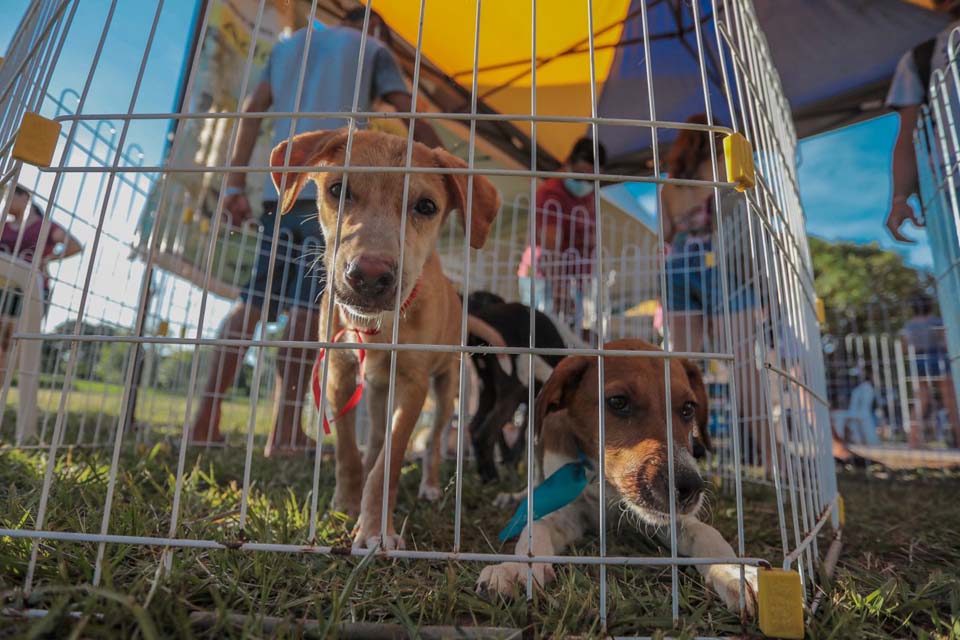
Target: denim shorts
{"points": [[298, 274], [933, 364], [693, 282]]}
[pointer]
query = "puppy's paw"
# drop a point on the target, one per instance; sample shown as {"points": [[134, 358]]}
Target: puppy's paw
{"points": [[346, 503], [367, 536], [372, 540], [725, 580], [503, 578], [429, 492], [509, 500]]}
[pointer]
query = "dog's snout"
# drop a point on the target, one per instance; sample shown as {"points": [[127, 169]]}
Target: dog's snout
{"points": [[689, 486], [370, 276]]}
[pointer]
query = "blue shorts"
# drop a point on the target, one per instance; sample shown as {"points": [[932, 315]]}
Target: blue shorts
{"points": [[298, 275], [932, 365], [693, 282]]}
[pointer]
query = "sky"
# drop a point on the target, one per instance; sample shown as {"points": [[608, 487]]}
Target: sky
{"points": [[844, 175]]}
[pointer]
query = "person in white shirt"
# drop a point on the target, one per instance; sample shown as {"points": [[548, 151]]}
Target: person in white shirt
{"points": [[908, 92]]}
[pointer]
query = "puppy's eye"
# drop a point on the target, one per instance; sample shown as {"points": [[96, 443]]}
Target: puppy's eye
{"points": [[619, 404], [425, 207], [688, 410], [336, 188]]}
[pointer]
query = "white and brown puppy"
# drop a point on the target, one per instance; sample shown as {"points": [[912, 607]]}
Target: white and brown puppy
{"points": [[363, 274], [636, 469]]}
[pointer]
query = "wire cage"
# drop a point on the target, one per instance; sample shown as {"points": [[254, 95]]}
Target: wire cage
{"points": [[936, 143], [115, 351]]}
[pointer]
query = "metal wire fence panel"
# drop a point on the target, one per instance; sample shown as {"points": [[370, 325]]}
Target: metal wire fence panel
{"points": [[936, 142], [218, 341]]}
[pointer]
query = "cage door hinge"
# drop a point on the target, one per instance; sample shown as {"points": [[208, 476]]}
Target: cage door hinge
{"points": [[780, 600], [36, 140]]}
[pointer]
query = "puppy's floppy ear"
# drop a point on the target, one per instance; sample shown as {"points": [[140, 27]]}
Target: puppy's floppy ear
{"points": [[486, 198], [305, 149], [558, 388], [703, 402]]}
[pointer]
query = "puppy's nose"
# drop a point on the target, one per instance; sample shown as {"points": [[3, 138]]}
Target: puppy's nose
{"points": [[689, 486], [370, 276]]}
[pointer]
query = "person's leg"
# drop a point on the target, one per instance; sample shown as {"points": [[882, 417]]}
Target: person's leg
{"points": [[294, 367], [757, 440], [686, 331], [948, 393], [297, 286], [924, 404], [684, 300], [7, 324], [10, 301], [239, 325]]}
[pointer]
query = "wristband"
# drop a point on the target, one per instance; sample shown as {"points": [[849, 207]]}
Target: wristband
{"points": [[233, 191]]}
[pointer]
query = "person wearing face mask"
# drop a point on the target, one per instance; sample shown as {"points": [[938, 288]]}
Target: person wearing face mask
{"points": [[558, 264]]}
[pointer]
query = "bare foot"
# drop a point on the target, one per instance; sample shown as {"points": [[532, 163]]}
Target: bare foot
{"points": [[203, 439], [304, 445], [205, 429]]}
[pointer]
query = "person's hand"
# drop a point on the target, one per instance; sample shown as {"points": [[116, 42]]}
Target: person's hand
{"points": [[900, 212], [238, 208]]}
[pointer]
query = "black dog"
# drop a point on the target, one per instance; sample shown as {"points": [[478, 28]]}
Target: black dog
{"points": [[502, 393]]}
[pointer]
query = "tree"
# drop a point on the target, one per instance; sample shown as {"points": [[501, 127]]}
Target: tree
{"points": [[112, 362], [56, 353], [863, 287]]}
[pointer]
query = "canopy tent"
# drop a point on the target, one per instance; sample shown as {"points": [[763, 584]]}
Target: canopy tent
{"points": [[835, 59]]}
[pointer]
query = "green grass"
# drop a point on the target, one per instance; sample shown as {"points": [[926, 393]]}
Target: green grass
{"points": [[94, 406], [898, 575]]}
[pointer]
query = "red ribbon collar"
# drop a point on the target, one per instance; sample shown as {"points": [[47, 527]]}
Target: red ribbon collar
{"points": [[361, 356]]}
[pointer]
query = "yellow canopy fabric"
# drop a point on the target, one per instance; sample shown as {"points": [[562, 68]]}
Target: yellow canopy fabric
{"points": [[504, 76]]}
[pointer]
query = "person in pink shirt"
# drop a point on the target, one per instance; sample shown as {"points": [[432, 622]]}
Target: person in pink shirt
{"points": [[561, 266], [20, 237]]}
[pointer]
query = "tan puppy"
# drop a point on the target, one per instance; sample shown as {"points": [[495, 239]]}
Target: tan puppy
{"points": [[636, 469], [363, 274]]}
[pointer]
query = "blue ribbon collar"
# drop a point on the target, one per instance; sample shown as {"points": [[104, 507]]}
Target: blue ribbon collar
{"points": [[562, 487]]}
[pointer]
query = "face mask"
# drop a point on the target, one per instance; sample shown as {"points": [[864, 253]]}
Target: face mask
{"points": [[578, 188]]}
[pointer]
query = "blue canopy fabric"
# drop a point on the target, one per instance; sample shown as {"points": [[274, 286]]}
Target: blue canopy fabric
{"points": [[835, 59]]}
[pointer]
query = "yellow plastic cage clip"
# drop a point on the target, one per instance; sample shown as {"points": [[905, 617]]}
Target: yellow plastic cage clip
{"points": [[738, 155], [163, 329], [780, 599], [841, 511], [36, 140], [821, 312]]}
